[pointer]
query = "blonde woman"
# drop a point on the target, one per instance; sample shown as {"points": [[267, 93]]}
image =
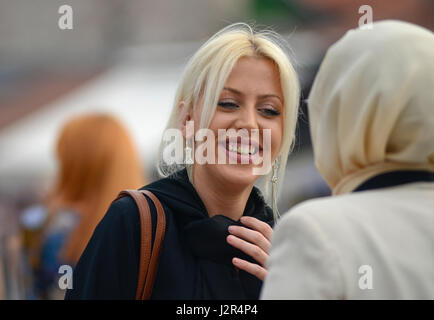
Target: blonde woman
{"points": [[218, 224], [96, 159]]}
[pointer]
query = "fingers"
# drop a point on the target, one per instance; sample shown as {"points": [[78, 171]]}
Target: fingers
{"points": [[248, 248], [258, 225], [254, 269], [254, 242], [252, 236]]}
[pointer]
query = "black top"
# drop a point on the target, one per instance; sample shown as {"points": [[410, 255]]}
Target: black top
{"points": [[195, 261], [396, 178]]}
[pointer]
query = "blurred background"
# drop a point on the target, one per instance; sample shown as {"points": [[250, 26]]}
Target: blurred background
{"points": [[124, 58]]}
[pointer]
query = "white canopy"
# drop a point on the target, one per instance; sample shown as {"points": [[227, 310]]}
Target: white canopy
{"points": [[140, 98]]}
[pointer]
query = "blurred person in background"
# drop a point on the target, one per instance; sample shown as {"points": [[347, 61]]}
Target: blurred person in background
{"points": [[12, 274], [218, 223], [96, 159], [371, 113]]}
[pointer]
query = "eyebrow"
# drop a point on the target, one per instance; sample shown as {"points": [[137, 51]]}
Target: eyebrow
{"points": [[262, 96]]}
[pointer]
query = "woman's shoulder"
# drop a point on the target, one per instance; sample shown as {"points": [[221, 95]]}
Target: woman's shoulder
{"points": [[122, 218], [125, 205], [125, 212], [123, 208]]}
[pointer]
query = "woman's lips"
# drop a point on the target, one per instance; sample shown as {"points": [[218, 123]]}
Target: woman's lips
{"points": [[240, 152]]}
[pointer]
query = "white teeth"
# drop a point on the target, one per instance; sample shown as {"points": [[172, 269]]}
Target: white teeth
{"points": [[233, 147], [242, 149]]}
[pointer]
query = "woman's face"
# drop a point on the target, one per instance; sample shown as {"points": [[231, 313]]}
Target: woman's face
{"points": [[251, 99]]}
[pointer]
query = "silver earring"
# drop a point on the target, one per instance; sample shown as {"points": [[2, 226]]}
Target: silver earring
{"points": [[188, 153], [274, 180]]}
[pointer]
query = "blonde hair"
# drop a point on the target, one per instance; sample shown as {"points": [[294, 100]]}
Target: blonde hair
{"points": [[97, 159], [207, 71]]}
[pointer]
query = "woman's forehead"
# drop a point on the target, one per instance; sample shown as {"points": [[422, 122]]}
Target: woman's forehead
{"points": [[254, 74]]}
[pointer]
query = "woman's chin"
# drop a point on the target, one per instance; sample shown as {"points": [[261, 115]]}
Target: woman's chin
{"points": [[235, 174]]}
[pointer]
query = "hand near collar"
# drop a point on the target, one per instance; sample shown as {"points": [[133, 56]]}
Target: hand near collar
{"points": [[254, 242]]}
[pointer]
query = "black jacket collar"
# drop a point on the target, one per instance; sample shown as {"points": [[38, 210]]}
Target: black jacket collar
{"points": [[395, 178]]}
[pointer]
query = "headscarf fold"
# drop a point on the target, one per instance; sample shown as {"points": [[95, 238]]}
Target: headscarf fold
{"points": [[371, 108]]}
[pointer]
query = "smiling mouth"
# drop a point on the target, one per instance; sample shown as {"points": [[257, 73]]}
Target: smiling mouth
{"points": [[242, 149]]}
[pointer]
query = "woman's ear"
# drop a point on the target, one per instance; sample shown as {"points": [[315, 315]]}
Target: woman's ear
{"points": [[183, 117]]}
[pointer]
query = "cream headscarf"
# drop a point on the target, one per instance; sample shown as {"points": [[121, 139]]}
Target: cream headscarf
{"points": [[371, 107]]}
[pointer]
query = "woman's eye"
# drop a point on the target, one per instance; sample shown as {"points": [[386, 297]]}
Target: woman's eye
{"points": [[270, 112], [228, 105]]}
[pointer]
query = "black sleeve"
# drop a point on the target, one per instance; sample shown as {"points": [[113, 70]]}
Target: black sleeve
{"points": [[108, 267]]}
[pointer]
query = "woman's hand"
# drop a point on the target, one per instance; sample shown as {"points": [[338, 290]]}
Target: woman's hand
{"points": [[255, 243]]}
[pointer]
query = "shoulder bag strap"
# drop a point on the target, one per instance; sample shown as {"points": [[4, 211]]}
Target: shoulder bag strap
{"points": [[148, 257]]}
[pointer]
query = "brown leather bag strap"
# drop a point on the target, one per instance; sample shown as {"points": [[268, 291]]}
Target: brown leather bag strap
{"points": [[148, 263], [156, 249]]}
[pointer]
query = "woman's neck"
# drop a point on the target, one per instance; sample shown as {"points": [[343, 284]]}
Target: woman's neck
{"points": [[220, 198]]}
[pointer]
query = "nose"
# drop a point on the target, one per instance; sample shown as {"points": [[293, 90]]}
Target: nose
{"points": [[247, 118]]}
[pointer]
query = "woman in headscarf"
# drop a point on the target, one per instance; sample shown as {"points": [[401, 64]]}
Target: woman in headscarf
{"points": [[371, 114], [218, 223]]}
